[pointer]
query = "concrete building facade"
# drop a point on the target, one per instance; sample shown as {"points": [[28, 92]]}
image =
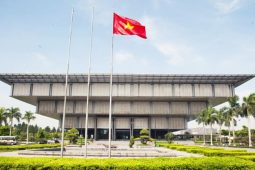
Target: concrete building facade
{"points": [[160, 103]]}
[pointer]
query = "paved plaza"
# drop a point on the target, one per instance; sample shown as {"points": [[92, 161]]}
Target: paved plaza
{"points": [[100, 149]]}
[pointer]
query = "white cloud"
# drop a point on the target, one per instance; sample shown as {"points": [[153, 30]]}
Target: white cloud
{"points": [[40, 57], [160, 34], [157, 4], [227, 6], [175, 54], [122, 57], [102, 10]]}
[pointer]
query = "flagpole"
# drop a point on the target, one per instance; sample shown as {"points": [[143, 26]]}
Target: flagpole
{"points": [[110, 107], [88, 86], [66, 83]]}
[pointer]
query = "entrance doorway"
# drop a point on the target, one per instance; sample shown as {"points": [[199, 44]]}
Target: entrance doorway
{"points": [[122, 134]]}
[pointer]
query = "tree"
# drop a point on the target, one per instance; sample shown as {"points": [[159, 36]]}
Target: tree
{"points": [[169, 137], [40, 136], [53, 130], [13, 113], [2, 115], [47, 129], [228, 119], [28, 117], [201, 118], [211, 118], [234, 111], [248, 108], [72, 135], [221, 119]]}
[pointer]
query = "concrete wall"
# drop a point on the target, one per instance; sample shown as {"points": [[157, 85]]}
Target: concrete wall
{"points": [[124, 90], [125, 122], [122, 107]]}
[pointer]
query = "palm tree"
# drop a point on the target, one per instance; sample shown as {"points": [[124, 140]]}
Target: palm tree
{"points": [[28, 117], [211, 118], [248, 108], [201, 118], [220, 115], [234, 111], [228, 119], [13, 113], [2, 115]]}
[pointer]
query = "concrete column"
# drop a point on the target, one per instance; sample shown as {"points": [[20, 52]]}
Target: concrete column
{"points": [[193, 90], [95, 128], [131, 126], [213, 90], [149, 125], [31, 89], [12, 89], [113, 129]]}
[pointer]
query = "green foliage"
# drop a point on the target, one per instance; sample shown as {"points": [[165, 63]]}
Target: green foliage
{"points": [[55, 135], [3, 116], [13, 113], [80, 140], [144, 132], [4, 130], [47, 129], [251, 158], [72, 135], [243, 132], [169, 137], [28, 116], [24, 147], [41, 135], [211, 152], [144, 136], [224, 132], [213, 163], [131, 142]]}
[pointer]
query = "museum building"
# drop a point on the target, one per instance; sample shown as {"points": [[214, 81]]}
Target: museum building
{"points": [[158, 102]]}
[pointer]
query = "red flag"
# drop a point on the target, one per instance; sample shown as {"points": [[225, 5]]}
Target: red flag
{"points": [[126, 26]]}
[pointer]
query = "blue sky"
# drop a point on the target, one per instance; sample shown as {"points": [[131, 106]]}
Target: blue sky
{"points": [[184, 37]]}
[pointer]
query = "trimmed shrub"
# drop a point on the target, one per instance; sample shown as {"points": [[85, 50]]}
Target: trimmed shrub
{"points": [[169, 137], [131, 142], [206, 151], [251, 158], [227, 153], [212, 163], [24, 147]]}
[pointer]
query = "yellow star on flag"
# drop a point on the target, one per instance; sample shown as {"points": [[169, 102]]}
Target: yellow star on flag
{"points": [[128, 26]]}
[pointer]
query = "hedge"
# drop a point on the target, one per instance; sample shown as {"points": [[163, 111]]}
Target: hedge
{"points": [[228, 153], [206, 151], [251, 158], [212, 163], [24, 147]]}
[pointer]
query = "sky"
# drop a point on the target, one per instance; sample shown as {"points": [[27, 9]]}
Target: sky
{"points": [[184, 37]]}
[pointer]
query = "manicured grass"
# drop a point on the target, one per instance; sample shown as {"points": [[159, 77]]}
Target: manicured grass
{"points": [[208, 163], [24, 147]]}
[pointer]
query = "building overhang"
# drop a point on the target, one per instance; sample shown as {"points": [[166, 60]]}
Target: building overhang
{"points": [[234, 79]]}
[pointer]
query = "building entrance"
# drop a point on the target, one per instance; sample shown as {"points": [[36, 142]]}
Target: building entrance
{"points": [[123, 134]]}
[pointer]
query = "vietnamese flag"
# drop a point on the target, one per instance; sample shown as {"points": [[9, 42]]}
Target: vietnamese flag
{"points": [[126, 26]]}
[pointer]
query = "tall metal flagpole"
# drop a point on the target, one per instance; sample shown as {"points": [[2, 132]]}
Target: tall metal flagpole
{"points": [[88, 87], [110, 107], [66, 83]]}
